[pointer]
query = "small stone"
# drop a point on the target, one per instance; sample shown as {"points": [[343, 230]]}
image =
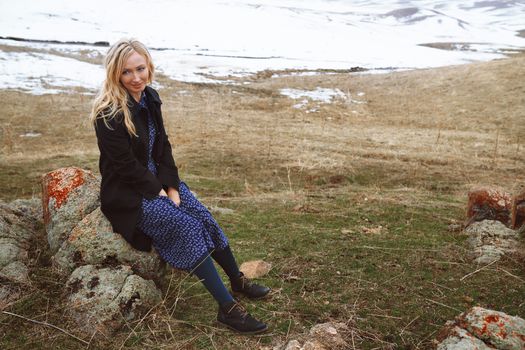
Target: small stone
{"points": [[454, 228], [293, 345], [255, 268], [313, 345], [372, 230], [328, 335], [222, 211]]}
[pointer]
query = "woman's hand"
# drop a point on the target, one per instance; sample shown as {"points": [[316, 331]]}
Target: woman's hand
{"points": [[174, 195]]}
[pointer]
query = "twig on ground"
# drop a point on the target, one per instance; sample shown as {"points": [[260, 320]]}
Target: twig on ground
{"points": [[402, 249], [409, 323], [386, 316], [47, 325], [510, 274], [476, 271], [441, 304]]}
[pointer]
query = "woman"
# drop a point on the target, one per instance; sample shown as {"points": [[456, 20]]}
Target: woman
{"points": [[141, 193]]}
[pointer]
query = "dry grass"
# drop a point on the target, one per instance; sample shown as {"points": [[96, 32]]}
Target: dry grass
{"points": [[396, 166]]}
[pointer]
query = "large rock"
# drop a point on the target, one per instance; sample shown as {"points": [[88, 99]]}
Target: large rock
{"points": [[490, 239], [16, 230], [489, 204], [92, 242], [103, 299], [518, 210], [480, 328], [68, 195], [459, 339]]}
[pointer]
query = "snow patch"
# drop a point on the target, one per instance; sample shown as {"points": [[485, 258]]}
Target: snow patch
{"points": [[323, 95]]}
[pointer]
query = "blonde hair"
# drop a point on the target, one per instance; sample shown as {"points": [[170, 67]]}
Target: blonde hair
{"points": [[112, 99]]}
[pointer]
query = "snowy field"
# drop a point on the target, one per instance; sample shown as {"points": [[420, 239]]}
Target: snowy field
{"points": [[209, 41]]}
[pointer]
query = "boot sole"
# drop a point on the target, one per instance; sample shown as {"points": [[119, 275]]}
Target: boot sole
{"points": [[241, 332]]}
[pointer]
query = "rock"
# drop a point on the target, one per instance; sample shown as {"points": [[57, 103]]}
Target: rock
{"points": [[103, 299], [480, 328], [459, 339], [324, 336], [490, 239], [328, 335], [495, 328], [219, 210], [313, 345], [16, 230], [255, 268], [293, 345], [489, 204], [518, 210], [31, 208], [93, 242], [68, 195], [454, 228]]}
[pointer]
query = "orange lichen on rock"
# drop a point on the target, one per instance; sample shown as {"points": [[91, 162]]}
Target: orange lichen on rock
{"points": [[58, 184], [489, 204]]}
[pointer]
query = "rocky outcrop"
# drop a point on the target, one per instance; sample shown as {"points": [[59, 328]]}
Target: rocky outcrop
{"points": [[490, 240], [68, 195], [492, 203], [93, 242], [103, 299], [110, 282], [480, 328], [518, 210], [16, 230], [489, 204]]}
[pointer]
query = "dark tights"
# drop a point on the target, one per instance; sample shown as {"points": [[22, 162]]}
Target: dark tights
{"points": [[209, 275]]}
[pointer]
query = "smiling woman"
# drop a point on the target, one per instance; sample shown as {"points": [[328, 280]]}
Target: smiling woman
{"points": [[135, 75], [141, 193]]}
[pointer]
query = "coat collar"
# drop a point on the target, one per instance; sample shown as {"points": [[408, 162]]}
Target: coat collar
{"points": [[151, 95]]}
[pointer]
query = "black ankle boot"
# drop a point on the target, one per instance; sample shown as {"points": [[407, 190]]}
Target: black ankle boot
{"points": [[244, 286], [234, 316]]}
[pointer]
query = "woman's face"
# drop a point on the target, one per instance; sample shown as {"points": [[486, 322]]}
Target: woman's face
{"points": [[135, 74]]}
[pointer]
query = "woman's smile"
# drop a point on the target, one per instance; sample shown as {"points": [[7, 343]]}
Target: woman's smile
{"points": [[135, 75]]}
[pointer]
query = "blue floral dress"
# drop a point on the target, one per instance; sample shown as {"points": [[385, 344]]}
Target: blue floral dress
{"points": [[182, 235]]}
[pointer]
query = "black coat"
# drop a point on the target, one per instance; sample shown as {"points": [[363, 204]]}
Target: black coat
{"points": [[123, 166]]}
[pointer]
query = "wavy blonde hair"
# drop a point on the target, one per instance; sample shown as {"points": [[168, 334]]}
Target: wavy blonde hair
{"points": [[112, 99]]}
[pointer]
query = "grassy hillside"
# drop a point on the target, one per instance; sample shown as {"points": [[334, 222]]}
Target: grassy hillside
{"points": [[350, 202]]}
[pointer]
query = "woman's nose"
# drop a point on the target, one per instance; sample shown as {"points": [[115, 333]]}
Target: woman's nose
{"points": [[136, 76]]}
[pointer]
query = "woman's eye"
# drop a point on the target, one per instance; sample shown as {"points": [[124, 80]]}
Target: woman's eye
{"points": [[125, 72], [141, 69]]}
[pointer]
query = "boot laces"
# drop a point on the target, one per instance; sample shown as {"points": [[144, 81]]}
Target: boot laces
{"points": [[240, 309], [245, 282]]}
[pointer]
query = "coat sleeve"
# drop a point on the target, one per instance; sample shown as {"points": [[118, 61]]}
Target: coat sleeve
{"points": [[168, 172], [116, 146]]}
